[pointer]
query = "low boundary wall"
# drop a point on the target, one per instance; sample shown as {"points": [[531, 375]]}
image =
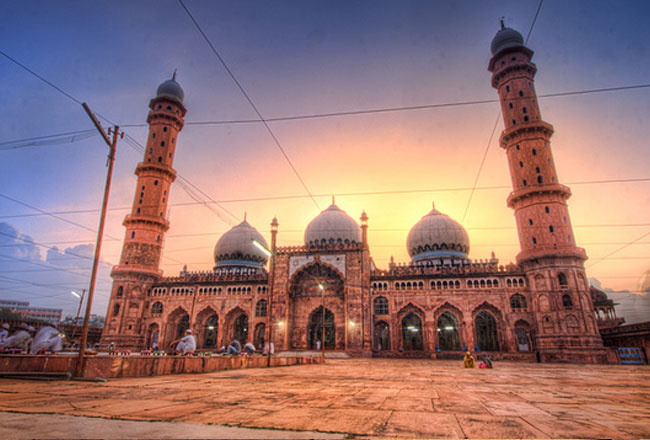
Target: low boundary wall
{"points": [[139, 366]]}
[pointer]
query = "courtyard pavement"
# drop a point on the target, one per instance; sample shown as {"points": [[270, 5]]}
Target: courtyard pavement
{"points": [[389, 398]]}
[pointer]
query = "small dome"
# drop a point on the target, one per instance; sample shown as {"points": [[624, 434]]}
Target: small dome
{"points": [[437, 236], [332, 226], [505, 39], [171, 89], [236, 248]]}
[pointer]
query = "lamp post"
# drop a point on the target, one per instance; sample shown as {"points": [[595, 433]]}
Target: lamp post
{"points": [[322, 339], [269, 311], [76, 319]]}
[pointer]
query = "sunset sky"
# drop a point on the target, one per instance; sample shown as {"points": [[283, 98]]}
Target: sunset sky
{"points": [[301, 58]]}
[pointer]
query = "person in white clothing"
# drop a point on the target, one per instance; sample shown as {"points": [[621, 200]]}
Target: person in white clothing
{"points": [[46, 339], [187, 344], [21, 339], [4, 332]]}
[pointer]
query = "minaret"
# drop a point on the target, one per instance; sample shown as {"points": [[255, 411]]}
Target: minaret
{"points": [[146, 224], [554, 264]]}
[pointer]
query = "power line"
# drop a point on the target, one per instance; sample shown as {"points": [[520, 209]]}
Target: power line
{"points": [[349, 194], [250, 101], [608, 256], [539, 8], [54, 139], [44, 265], [66, 252]]}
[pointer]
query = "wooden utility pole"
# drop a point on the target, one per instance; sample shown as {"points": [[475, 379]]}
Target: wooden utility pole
{"points": [[112, 144], [76, 319]]}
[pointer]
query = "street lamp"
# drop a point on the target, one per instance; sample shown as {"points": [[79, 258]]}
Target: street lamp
{"points": [[261, 247], [76, 319]]}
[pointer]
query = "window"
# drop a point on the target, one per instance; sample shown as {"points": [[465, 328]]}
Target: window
{"points": [[141, 194], [164, 192], [162, 144], [510, 105], [521, 93], [157, 308], [116, 309], [260, 308], [133, 234], [163, 200], [170, 155], [150, 150], [562, 279], [158, 239], [514, 122], [530, 222], [507, 88], [518, 302], [547, 209], [565, 220], [517, 147], [138, 211], [525, 183], [537, 170], [155, 182], [140, 201], [153, 136], [159, 158], [569, 239], [120, 292], [526, 118], [524, 110], [567, 302], [381, 306], [142, 187], [551, 228], [169, 107], [540, 179], [173, 140], [534, 152], [164, 128], [534, 240], [521, 164]]}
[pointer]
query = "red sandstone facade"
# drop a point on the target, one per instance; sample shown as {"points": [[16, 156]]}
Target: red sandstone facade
{"points": [[439, 302]]}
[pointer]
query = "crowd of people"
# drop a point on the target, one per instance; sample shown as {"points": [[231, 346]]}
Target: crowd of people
{"points": [[26, 339]]}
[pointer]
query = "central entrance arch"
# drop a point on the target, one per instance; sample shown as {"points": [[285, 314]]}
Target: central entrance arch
{"points": [[486, 332], [382, 336], [315, 329], [448, 337]]}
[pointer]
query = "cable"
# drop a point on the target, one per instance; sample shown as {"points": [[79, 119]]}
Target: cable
{"points": [[608, 256], [250, 101], [44, 265], [55, 139], [350, 194], [46, 247], [487, 148]]}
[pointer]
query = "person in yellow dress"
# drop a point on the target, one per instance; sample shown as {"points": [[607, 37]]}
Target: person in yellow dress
{"points": [[468, 360]]}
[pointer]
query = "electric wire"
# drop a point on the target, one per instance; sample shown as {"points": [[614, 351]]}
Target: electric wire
{"points": [[250, 101], [57, 139]]}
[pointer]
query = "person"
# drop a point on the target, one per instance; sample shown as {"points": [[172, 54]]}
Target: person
{"points": [[468, 360], [487, 361], [46, 339], [111, 347], [250, 348], [234, 347], [266, 349], [187, 344], [20, 339], [318, 344], [4, 332]]}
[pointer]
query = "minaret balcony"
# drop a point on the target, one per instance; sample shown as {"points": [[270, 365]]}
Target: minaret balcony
{"points": [[526, 130], [537, 251], [521, 194], [125, 269], [158, 169], [158, 222]]}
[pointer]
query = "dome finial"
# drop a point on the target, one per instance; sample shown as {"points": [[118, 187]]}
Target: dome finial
{"points": [[433, 204], [333, 199], [174, 75], [503, 26], [245, 213]]}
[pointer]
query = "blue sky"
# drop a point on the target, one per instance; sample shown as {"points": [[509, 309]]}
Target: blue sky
{"points": [[302, 57]]}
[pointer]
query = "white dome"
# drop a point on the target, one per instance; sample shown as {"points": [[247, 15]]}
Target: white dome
{"points": [[171, 89], [505, 39], [236, 248], [332, 226], [437, 236]]}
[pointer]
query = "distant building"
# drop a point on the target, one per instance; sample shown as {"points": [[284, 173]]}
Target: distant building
{"points": [[53, 316]]}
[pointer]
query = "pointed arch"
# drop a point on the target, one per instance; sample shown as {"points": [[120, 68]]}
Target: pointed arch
{"points": [[236, 326], [178, 321]]}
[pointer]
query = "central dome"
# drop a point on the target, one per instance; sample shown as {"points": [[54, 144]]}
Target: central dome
{"points": [[236, 248], [437, 236], [332, 226]]}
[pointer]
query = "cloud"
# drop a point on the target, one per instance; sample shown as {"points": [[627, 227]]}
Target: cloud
{"points": [[45, 279], [633, 306]]}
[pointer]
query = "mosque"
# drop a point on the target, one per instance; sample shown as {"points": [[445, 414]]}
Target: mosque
{"points": [[328, 291]]}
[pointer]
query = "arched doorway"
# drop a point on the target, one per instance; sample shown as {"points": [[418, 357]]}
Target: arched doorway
{"points": [[178, 322], [258, 338], [210, 331], [487, 338], [382, 336], [240, 329], [315, 329], [412, 332], [522, 336], [152, 336], [447, 329], [182, 326]]}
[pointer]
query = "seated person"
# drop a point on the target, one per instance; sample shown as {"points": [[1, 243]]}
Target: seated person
{"points": [[468, 360], [234, 347], [47, 339], [249, 347], [187, 344]]}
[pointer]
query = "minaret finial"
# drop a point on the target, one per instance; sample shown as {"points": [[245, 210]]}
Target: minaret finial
{"points": [[503, 26], [174, 75], [245, 213], [433, 204], [333, 200]]}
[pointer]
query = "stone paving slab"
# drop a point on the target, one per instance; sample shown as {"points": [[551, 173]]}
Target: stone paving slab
{"points": [[389, 398]]}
